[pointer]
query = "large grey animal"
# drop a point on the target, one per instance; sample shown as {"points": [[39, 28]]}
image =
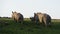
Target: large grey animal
{"points": [[43, 18], [18, 17]]}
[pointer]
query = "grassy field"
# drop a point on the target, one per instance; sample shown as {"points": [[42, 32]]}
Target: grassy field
{"points": [[8, 26]]}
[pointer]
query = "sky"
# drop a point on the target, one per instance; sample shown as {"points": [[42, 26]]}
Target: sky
{"points": [[29, 7]]}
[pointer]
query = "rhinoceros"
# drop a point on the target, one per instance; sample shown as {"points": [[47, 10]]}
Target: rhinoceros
{"points": [[43, 18], [18, 17]]}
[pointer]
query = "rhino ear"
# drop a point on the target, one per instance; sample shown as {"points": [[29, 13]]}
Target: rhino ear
{"points": [[34, 13], [12, 11]]}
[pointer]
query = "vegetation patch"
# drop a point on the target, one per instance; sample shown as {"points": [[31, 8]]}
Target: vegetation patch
{"points": [[8, 26]]}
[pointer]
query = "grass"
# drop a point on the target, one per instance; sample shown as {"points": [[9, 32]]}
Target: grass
{"points": [[27, 27]]}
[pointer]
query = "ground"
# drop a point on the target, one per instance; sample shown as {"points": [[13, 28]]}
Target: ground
{"points": [[8, 26]]}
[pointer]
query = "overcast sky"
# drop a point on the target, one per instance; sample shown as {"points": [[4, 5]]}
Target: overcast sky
{"points": [[28, 7]]}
